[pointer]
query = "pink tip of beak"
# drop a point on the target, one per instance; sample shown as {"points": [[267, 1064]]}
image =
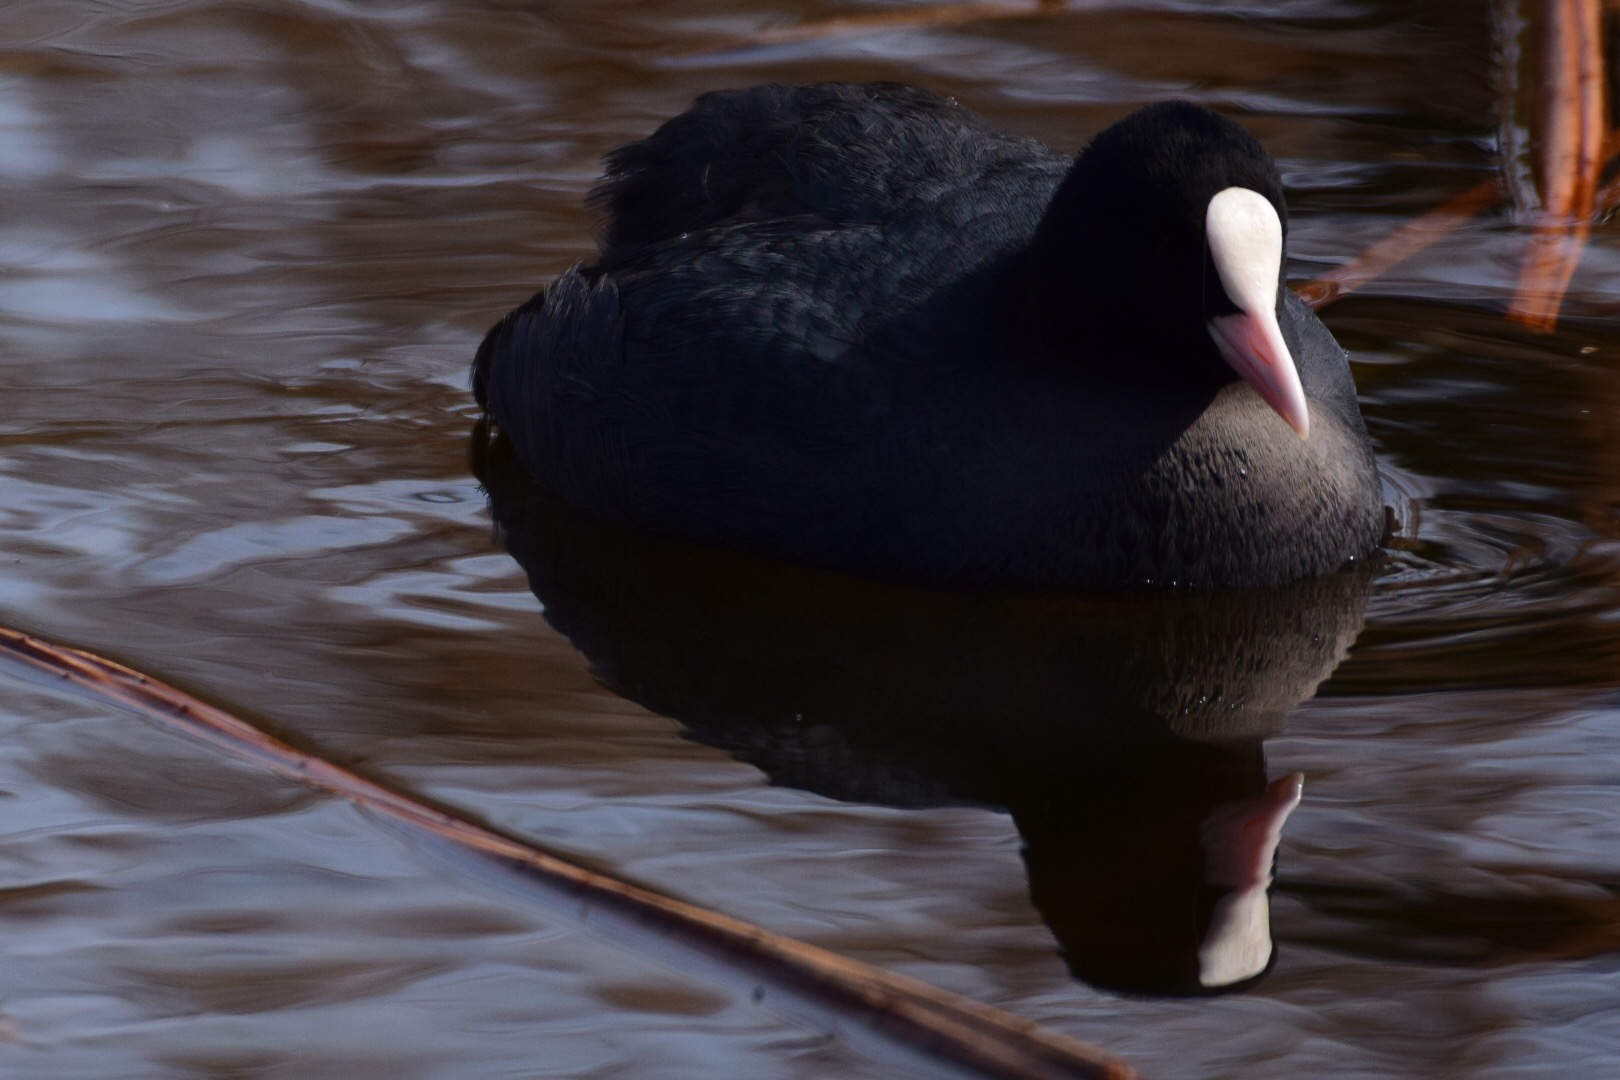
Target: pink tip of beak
{"points": [[1252, 343], [1240, 838]]}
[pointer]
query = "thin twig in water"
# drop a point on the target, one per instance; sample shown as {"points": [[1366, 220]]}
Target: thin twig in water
{"points": [[1406, 241], [951, 1027]]}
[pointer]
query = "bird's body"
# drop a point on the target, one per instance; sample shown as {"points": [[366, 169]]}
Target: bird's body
{"points": [[854, 327]]}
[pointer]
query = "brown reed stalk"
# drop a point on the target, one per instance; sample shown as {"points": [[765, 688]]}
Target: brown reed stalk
{"points": [[951, 1027], [1569, 131], [1406, 241]]}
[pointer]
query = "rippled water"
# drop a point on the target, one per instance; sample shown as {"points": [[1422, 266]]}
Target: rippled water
{"points": [[246, 252]]}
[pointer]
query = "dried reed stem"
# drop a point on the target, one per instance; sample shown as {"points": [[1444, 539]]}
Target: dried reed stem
{"points": [[944, 1024], [1570, 130], [1400, 245]]}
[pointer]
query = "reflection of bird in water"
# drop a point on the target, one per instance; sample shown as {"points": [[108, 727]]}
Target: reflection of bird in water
{"points": [[1124, 733], [854, 327]]}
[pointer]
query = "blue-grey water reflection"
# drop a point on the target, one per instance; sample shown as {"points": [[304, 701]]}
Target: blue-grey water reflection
{"points": [[248, 250]]}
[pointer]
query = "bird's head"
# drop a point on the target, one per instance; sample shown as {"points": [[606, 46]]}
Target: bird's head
{"points": [[1161, 255]]}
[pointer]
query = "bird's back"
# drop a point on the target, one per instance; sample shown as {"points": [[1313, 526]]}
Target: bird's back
{"points": [[839, 153], [785, 271]]}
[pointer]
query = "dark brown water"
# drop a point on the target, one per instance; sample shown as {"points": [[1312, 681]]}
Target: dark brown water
{"points": [[246, 250]]}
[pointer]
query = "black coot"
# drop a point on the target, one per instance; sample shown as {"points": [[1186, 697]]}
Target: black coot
{"points": [[852, 326]]}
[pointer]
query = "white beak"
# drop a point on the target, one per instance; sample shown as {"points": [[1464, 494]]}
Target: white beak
{"points": [[1245, 243]]}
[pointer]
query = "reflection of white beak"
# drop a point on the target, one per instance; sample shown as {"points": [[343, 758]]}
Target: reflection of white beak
{"points": [[1245, 242], [1240, 840]]}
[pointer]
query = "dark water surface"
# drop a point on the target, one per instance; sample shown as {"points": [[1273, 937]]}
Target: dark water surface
{"points": [[247, 250]]}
